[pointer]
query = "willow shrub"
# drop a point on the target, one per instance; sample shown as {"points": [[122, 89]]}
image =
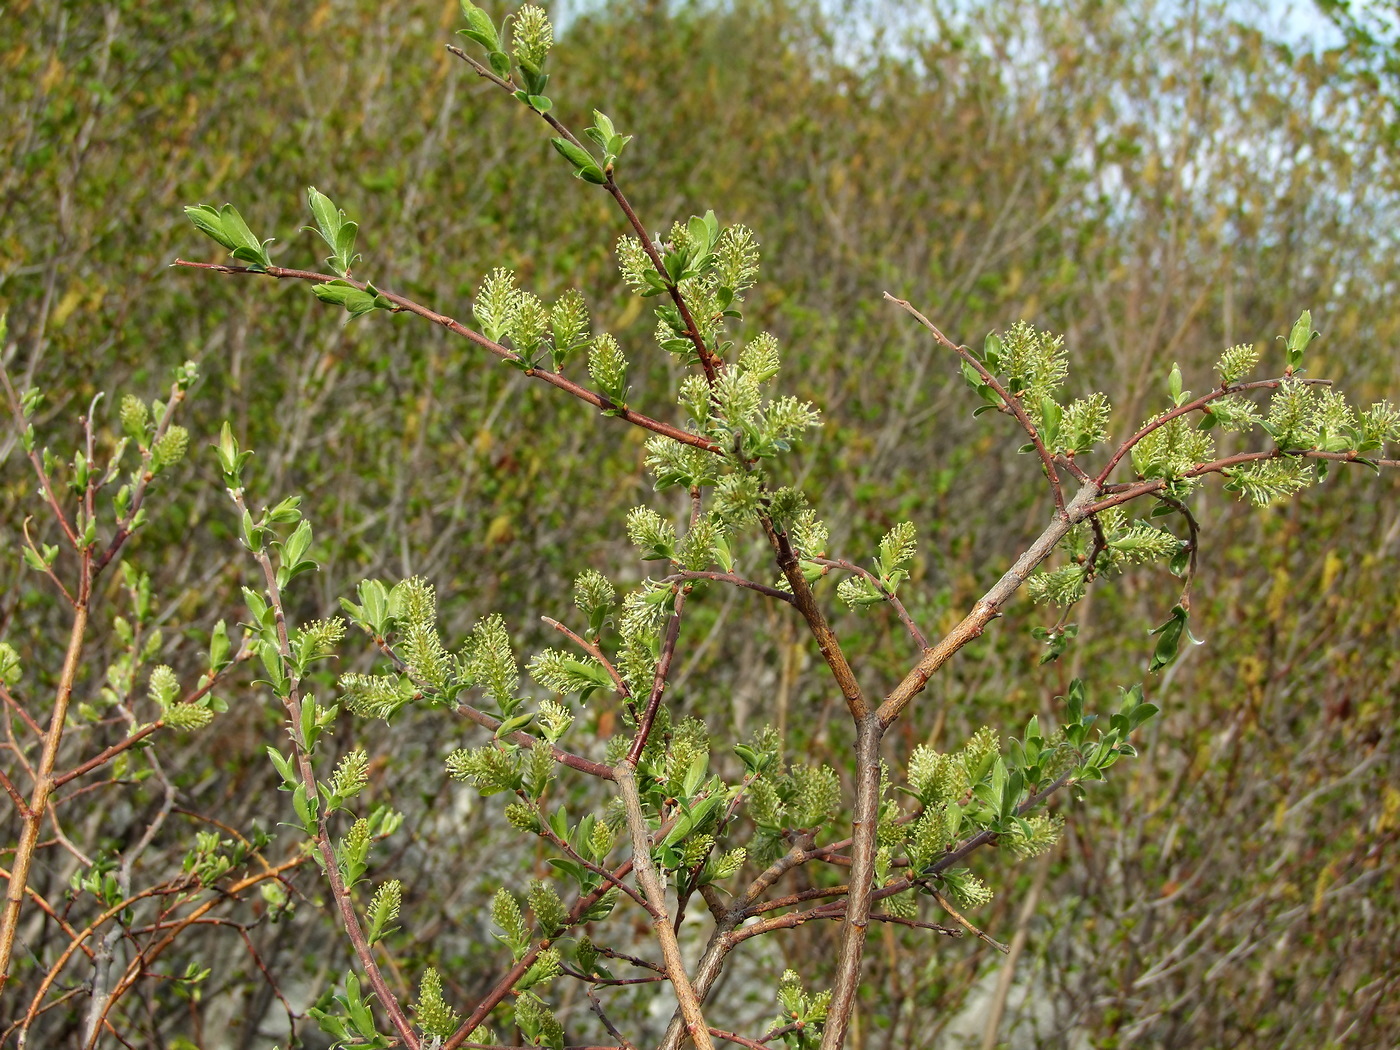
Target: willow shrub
{"points": [[686, 814]]}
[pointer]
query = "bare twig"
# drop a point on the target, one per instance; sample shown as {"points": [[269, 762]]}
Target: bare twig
{"points": [[962, 921]]}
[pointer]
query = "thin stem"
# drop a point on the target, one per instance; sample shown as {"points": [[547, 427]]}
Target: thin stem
{"points": [[958, 917], [45, 486], [48, 569], [524, 739], [821, 631], [708, 360], [324, 846], [658, 686], [502, 987], [1012, 403], [547, 833], [920, 639], [597, 400], [32, 821], [597, 1008], [1195, 405], [1115, 495], [737, 581], [592, 650]]}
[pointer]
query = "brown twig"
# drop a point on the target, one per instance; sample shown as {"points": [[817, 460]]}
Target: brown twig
{"points": [[655, 894], [554, 379], [1195, 405], [737, 581], [340, 893], [597, 1008], [1012, 403], [524, 739], [962, 921], [920, 639], [592, 650], [502, 987], [988, 607], [708, 360]]}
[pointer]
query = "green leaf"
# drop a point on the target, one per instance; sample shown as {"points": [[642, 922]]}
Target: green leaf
{"points": [[335, 230], [480, 28], [586, 167], [356, 301], [226, 226], [206, 219], [992, 350], [285, 768], [1299, 337], [1169, 635]]}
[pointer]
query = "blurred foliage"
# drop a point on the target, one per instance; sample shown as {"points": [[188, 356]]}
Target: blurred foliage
{"points": [[1155, 180]]}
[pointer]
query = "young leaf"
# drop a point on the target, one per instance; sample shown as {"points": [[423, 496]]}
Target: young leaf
{"points": [[335, 230]]}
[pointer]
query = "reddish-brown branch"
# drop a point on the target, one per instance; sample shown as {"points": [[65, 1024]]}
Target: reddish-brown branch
{"points": [[592, 650], [989, 605], [1116, 495], [37, 462], [502, 987], [142, 485], [1012, 403], [737, 581], [524, 739], [708, 361], [48, 569], [1194, 405], [107, 754], [658, 685], [920, 639], [821, 631], [24, 715], [340, 893], [33, 820], [554, 379]]}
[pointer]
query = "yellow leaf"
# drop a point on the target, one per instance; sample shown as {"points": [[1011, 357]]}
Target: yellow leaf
{"points": [[66, 305], [499, 531]]}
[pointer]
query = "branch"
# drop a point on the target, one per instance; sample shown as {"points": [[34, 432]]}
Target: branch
{"points": [[708, 360], [138, 490], [656, 899], [502, 987], [32, 821], [524, 739], [737, 581], [658, 684], [1013, 404], [989, 606], [324, 846], [44, 484], [592, 650], [909, 625], [947, 906], [1115, 495], [825, 637], [864, 826], [457, 328], [1195, 405]]}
